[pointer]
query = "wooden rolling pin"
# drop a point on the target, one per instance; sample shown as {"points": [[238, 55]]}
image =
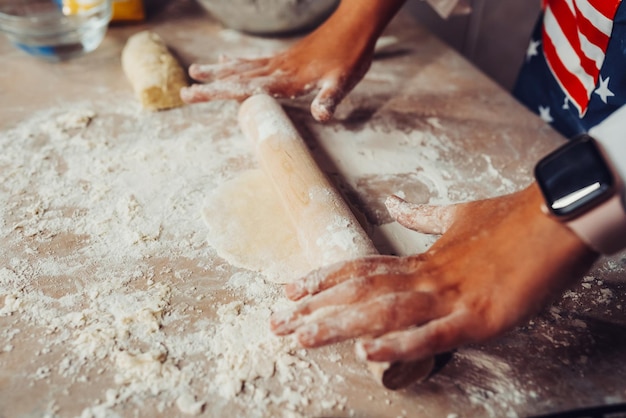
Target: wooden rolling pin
{"points": [[327, 229]]}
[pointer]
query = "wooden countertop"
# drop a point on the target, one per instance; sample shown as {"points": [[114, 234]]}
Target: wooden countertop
{"points": [[112, 303]]}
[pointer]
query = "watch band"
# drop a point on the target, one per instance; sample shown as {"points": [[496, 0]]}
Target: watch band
{"points": [[603, 228], [611, 133]]}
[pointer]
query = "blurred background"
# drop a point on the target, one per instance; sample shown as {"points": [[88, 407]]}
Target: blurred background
{"points": [[494, 36]]}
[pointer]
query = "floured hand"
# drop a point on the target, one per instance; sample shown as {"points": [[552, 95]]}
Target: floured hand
{"points": [[293, 73], [497, 263], [330, 60]]}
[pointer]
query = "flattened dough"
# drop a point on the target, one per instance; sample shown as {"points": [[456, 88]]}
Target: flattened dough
{"points": [[249, 228]]}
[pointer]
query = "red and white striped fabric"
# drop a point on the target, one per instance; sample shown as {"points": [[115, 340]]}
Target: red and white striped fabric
{"points": [[575, 37]]}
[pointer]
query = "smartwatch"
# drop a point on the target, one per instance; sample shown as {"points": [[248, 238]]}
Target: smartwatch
{"points": [[581, 189]]}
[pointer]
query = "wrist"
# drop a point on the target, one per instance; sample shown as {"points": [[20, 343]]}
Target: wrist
{"points": [[553, 256], [555, 235]]}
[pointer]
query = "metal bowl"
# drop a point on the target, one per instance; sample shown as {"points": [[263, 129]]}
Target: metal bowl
{"points": [[270, 17]]}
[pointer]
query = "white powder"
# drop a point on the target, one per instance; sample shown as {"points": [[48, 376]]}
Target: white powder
{"points": [[106, 257], [107, 260], [498, 392], [112, 303], [270, 125]]}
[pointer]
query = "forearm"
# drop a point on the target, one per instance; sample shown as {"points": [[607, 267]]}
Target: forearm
{"points": [[364, 19]]}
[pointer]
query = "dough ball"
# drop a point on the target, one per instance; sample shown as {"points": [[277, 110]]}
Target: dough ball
{"points": [[154, 73]]}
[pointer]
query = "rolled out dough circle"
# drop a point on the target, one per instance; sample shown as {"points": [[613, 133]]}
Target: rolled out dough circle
{"points": [[249, 228]]}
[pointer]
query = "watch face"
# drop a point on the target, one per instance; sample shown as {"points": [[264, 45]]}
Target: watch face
{"points": [[574, 178]]}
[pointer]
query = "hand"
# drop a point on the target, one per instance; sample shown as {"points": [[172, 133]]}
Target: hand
{"points": [[497, 263], [332, 60]]}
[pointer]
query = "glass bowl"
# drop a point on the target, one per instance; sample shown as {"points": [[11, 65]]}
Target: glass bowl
{"points": [[55, 29], [270, 17]]}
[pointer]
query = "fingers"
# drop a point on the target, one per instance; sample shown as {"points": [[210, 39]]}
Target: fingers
{"points": [[327, 277], [427, 219], [330, 95], [240, 78], [224, 90], [235, 79], [343, 294], [437, 336], [374, 317], [225, 68]]}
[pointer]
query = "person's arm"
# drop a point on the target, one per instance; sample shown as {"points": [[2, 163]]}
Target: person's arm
{"points": [[498, 262], [331, 60]]}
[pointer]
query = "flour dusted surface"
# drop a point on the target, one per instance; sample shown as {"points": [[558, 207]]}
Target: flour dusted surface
{"points": [[112, 294], [108, 261], [112, 302]]}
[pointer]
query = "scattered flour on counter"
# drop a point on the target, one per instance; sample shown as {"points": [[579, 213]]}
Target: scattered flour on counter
{"points": [[103, 240], [492, 384], [431, 158], [108, 282]]}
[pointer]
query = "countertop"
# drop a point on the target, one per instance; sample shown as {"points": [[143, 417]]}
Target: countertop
{"points": [[113, 303]]}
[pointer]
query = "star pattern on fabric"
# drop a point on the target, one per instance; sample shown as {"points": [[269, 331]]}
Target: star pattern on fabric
{"points": [[603, 89], [544, 114], [565, 104], [532, 49]]}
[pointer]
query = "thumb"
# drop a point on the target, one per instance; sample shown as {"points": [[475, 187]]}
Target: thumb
{"points": [[427, 219], [330, 95]]}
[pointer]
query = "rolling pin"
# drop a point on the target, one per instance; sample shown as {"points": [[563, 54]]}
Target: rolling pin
{"points": [[327, 229]]}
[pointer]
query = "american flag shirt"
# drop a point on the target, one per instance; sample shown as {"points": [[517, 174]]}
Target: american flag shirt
{"points": [[574, 74]]}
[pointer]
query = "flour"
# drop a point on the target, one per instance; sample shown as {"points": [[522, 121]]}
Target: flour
{"points": [[429, 159], [498, 390], [271, 125], [103, 232], [112, 302], [108, 260]]}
